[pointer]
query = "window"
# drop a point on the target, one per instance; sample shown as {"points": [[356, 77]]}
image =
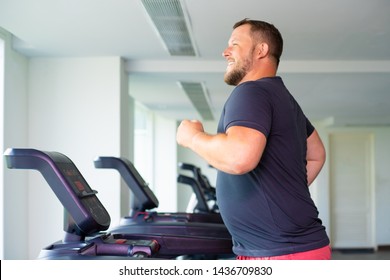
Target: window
{"points": [[143, 143]]}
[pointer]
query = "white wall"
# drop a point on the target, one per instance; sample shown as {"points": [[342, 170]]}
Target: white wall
{"points": [[14, 186], [382, 185], [2, 54]]}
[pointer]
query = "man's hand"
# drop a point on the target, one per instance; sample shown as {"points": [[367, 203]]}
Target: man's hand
{"points": [[186, 132]]}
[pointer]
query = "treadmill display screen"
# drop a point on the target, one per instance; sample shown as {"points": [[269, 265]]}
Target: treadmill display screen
{"points": [[85, 194]]}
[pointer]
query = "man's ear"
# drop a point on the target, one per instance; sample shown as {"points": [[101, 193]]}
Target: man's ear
{"points": [[262, 50]]}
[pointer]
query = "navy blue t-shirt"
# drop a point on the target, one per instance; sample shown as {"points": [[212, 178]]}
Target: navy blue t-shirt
{"points": [[269, 210]]}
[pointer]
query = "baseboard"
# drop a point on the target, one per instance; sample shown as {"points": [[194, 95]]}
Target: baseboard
{"points": [[384, 248], [355, 250]]}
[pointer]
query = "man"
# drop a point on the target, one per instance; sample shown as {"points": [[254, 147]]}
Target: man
{"points": [[267, 154]]}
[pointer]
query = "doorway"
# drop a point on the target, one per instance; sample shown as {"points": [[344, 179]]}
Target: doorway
{"points": [[352, 190]]}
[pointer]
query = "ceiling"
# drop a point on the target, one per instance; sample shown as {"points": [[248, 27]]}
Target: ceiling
{"points": [[336, 59]]}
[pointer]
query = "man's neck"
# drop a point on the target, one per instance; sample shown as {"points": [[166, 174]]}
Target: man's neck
{"points": [[259, 74]]}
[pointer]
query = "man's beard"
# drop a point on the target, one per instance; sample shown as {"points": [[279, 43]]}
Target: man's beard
{"points": [[235, 76]]}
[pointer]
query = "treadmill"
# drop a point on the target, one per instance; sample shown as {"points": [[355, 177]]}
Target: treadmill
{"points": [[145, 200], [205, 186], [86, 219]]}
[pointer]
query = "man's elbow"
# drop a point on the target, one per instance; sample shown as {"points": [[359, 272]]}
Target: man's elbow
{"points": [[322, 155], [242, 166]]}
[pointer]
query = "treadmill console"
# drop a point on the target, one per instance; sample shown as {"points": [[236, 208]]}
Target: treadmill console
{"points": [[70, 187]]}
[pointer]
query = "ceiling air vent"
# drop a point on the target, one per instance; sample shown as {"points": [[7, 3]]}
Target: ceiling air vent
{"points": [[171, 22], [198, 95]]}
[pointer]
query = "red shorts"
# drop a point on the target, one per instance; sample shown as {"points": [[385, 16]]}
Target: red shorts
{"points": [[323, 253]]}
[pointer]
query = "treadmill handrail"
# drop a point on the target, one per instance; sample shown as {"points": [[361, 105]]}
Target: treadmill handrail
{"points": [[145, 196], [198, 175], [202, 205]]}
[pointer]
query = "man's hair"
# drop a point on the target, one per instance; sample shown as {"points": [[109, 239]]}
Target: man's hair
{"points": [[262, 31]]}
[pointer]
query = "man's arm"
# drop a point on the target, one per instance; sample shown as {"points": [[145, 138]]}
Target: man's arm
{"points": [[315, 156], [237, 151]]}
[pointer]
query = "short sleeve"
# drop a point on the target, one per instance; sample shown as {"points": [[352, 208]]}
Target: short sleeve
{"points": [[309, 127], [249, 106]]}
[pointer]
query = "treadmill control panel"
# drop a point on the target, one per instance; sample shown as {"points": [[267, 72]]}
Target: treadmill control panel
{"points": [[86, 195], [79, 200]]}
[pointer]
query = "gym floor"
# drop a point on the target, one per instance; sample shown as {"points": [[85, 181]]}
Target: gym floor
{"points": [[383, 253]]}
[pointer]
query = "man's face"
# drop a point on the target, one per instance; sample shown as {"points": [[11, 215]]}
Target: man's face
{"points": [[238, 55]]}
